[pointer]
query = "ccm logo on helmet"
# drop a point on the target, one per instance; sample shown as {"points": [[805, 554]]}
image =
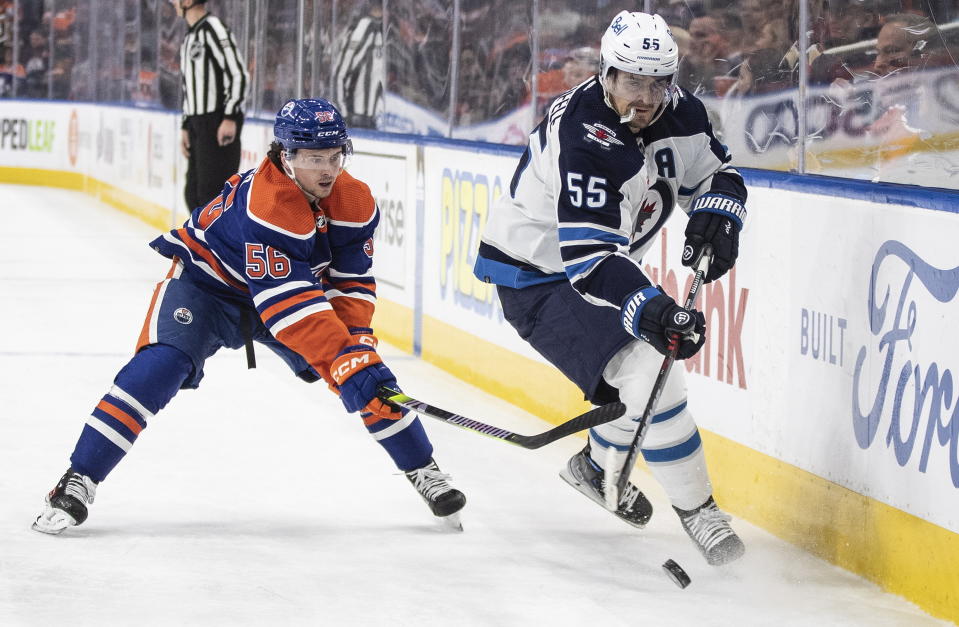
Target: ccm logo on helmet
{"points": [[347, 366]]}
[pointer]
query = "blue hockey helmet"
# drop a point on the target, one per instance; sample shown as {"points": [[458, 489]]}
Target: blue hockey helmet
{"points": [[311, 123]]}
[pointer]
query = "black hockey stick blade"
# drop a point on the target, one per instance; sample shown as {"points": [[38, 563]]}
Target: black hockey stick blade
{"points": [[592, 418]]}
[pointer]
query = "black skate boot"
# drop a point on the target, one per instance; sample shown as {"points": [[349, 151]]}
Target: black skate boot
{"points": [[433, 485], [708, 526], [582, 473], [66, 504]]}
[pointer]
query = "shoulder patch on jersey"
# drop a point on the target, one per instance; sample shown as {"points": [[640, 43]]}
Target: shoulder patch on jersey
{"points": [[350, 200], [602, 135], [277, 201]]}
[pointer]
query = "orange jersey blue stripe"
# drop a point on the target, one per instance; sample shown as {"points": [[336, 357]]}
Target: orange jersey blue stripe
{"points": [[306, 268]]}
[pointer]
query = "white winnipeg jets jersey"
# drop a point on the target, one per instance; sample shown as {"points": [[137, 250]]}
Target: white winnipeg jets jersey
{"points": [[589, 195]]}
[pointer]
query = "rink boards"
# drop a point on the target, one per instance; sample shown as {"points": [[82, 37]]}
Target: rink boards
{"points": [[825, 391]]}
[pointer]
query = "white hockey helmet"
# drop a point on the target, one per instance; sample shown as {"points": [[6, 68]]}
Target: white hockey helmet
{"points": [[638, 43]]}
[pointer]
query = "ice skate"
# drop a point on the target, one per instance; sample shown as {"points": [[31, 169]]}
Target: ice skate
{"points": [[444, 500], [708, 526], [582, 473], [66, 504]]}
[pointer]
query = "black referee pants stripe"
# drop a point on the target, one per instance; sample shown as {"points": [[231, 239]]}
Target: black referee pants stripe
{"points": [[210, 164]]}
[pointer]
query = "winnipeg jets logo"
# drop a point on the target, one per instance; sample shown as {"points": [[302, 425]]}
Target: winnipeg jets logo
{"points": [[602, 135], [287, 108], [645, 213]]}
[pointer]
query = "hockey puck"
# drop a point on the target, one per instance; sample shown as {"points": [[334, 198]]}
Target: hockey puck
{"points": [[675, 572]]}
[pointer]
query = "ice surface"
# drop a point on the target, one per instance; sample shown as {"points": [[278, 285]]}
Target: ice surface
{"points": [[256, 500]]}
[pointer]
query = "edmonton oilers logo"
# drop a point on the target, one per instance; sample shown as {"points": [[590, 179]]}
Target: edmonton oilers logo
{"points": [[687, 253], [183, 315]]}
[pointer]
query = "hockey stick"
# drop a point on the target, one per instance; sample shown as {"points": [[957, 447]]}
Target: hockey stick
{"points": [[592, 418], [622, 476]]}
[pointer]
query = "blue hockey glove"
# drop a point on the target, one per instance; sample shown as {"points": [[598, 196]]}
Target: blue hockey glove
{"points": [[654, 317], [359, 372], [716, 220]]}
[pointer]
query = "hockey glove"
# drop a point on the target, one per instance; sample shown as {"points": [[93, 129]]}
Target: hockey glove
{"points": [[654, 317], [359, 372], [715, 220]]}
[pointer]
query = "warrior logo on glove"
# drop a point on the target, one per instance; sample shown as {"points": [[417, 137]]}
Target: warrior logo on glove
{"points": [[716, 220]]}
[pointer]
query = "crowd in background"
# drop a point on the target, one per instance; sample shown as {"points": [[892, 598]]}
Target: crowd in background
{"points": [[82, 50], [500, 56]]}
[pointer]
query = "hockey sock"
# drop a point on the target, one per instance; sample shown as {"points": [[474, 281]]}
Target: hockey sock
{"points": [[404, 440], [141, 388], [672, 448], [673, 451]]}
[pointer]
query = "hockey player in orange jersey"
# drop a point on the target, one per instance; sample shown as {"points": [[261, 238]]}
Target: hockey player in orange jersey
{"points": [[283, 257]]}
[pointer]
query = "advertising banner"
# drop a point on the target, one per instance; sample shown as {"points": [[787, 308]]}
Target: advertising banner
{"points": [[896, 128], [389, 169], [460, 188]]}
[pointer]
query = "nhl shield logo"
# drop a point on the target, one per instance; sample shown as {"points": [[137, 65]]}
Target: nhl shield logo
{"points": [[183, 315], [196, 50]]}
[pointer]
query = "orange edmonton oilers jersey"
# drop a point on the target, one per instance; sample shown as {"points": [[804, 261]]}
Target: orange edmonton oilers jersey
{"points": [[306, 268]]}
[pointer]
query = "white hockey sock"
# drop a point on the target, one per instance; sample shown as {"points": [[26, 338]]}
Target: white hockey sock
{"points": [[672, 447], [674, 454]]}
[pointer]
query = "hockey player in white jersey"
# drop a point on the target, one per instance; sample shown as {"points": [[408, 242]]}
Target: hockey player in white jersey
{"points": [[612, 159]]}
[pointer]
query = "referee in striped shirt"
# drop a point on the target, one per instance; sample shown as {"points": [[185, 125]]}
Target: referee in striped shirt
{"points": [[215, 83]]}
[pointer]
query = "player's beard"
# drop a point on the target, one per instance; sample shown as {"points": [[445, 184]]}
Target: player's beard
{"points": [[641, 118]]}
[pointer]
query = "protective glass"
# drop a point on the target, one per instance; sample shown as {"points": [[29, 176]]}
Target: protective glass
{"points": [[315, 159]]}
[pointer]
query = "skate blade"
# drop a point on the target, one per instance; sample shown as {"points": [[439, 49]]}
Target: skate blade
{"points": [[579, 487], [452, 522], [611, 480], [566, 476], [53, 524]]}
